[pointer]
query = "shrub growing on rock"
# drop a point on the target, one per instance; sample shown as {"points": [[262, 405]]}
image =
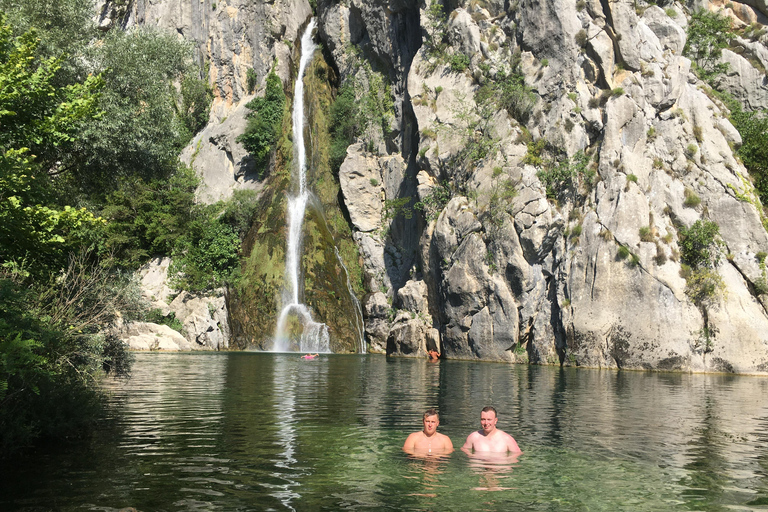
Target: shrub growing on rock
{"points": [[264, 122]]}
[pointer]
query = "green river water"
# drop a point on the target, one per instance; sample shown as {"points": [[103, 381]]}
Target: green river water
{"points": [[258, 431]]}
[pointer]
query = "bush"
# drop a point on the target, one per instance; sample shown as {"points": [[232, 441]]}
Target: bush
{"points": [[195, 101], [557, 178], [753, 128], [239, 211], [508, 90], [699, 245], [459, 62], [761, 286], [622, 252], [581, 38], [434, 202], [345, 125], [51, 355], [251, 79], [147, 218], [692, 200], [206, 257], [704, 285]]}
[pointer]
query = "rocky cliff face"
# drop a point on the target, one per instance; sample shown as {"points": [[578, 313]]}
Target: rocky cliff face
{"points": [[550, 213]]}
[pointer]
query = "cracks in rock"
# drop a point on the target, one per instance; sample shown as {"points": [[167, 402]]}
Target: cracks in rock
{"points": [[637, 265], [750, 285], [555, 318], [609, 30]]}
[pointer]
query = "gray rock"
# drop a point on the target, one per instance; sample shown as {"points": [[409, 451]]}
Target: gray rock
{"points": [[204, 319], [743, 81], [149, 336], [361, 184]]}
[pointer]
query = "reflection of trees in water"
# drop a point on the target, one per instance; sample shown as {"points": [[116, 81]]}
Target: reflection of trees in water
{"points": [[762, 461], [708, 467]]}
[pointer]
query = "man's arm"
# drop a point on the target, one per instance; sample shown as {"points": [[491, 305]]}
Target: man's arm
{"points": [[468, 445], [512, 445], [448, 443], [410, 443]]}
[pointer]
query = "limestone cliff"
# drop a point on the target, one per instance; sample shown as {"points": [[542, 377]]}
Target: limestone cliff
{"points": [[548, 224]]}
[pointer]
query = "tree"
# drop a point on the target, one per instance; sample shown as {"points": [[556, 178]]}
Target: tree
{"points": [[753, 128], [64, 27], [146, 122], [708, 34], [38, 124]]}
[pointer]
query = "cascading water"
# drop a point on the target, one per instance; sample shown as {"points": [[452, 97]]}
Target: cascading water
{"points": [[314, 335]]}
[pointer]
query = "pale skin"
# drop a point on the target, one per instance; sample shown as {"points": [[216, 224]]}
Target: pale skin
{"points": [[489, 439], [428, 441]]}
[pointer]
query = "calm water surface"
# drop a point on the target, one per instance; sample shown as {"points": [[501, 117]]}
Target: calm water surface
{"points": [[249, 431]]}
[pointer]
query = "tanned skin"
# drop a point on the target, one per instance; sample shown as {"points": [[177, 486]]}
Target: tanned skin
{"points": [[428, 441]]}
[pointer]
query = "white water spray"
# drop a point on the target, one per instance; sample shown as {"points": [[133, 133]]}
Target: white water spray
{"points": [[314, 336]]}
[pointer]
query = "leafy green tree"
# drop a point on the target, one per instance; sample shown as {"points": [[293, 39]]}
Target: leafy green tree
{"points": [[34, 112], [38, 122], [64, 27], [146, 218], [239, 211], [708, 33], [264, 121], [206, 257], [195, 103], [145, 123]]}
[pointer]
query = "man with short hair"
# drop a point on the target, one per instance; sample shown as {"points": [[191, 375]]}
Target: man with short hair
{"points": [[428, 441], [489, 438]]}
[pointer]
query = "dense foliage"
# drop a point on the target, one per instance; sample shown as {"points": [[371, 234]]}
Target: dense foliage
{"points": [[698, 244], [90, 188], [264, 121], [700, 250], [708, 34], [753, 128], [344, 126]]}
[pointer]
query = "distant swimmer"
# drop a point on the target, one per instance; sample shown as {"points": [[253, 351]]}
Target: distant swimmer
{"points": [[310, 356], [489, 438], [428, 441]]}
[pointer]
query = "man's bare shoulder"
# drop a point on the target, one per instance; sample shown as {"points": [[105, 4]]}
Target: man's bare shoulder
{"points": [[412, 438]]}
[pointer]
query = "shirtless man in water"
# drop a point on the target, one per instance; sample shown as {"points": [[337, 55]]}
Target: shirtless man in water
{"points": [[489, 438], [428, 441]]}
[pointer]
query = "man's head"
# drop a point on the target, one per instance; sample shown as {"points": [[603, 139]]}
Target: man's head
{"points": [[431, 421], [488, 419]]}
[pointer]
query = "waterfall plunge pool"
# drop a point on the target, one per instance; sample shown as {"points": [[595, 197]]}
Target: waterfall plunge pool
{"points": [[262, 431]]}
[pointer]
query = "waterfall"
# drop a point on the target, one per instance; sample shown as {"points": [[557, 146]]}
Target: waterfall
{"points": [[314, 335]]}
